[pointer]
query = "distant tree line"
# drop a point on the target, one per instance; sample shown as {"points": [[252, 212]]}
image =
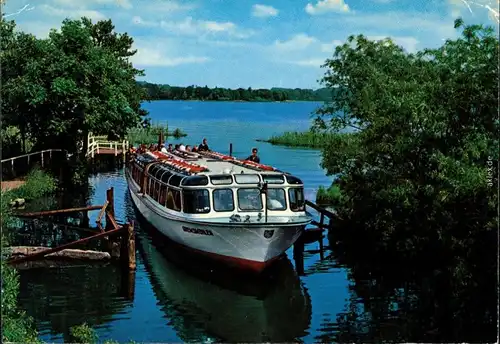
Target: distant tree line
{"points": [[168, 92]]}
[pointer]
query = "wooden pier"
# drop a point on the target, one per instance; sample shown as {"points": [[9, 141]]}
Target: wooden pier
{"points": [[99, 145], [312, 235], [20, 165], [124, 249]]}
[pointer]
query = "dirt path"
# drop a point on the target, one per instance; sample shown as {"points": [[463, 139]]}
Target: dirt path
{"points": [[12, 184]]}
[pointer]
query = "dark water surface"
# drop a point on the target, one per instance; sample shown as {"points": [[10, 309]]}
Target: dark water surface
{"points": [[177, 299]]}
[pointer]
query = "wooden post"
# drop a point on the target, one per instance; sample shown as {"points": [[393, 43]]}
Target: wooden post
{"points": [[127, 254], [116, 148], [321, 249], [230, 149], [42, 157], [128, 284], [110, 198], [298, 256]]}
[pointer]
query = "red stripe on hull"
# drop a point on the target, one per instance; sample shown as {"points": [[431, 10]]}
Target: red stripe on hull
{"points": [[239, 263]]}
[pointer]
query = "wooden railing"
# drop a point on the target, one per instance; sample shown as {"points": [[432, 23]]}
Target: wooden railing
{"points": [[20, 165], [95, 143], [323, 213]]}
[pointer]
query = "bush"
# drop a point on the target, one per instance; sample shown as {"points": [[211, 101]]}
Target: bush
{"points": [[38, 183], [328, 196], [150, 134]]}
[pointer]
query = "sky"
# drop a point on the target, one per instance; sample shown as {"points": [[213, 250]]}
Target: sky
{"points": [[254, 43]]}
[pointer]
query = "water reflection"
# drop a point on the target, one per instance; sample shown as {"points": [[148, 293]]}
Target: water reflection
{"points": [[60, 298], [202, 301], [417, 301]]}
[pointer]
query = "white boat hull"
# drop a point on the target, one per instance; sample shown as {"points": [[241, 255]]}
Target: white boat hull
{"points": [[253, 246]]}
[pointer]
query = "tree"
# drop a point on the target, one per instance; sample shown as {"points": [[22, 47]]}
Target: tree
{"points": [[414, 176], [78, 80]]}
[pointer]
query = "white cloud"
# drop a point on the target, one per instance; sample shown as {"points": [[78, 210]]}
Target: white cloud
{"points": [[309, 62], [329, 47], [410, 44], [263, 11], [51, 11], [155, 58], [323, 6], [297, 42], [126, 4], [190, 26]]}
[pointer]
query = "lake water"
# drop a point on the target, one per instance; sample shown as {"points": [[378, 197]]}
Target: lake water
{"points": [[172, 298], [172, 304]]}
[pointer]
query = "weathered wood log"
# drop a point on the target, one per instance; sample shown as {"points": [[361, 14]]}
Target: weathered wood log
{"points": [[23, 251], [57, 263]]}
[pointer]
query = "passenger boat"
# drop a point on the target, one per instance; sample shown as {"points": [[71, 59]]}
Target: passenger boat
{"points": [[240, 212]]}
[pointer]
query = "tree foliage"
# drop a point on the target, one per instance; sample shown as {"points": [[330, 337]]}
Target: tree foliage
{"points": [[418, 179], [168, 92], [77, 80]]}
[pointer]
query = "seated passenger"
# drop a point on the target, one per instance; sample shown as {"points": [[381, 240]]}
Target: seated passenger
{"points": [[203, 146], [195, 149], [177, 147], [163, 149], [182, 148], [274, 204], [254, 156], [170, 149], [188, 148]]}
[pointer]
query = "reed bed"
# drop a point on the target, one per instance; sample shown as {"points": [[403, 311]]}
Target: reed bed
{"points": [[328, 196], [150, 134], [308, 139]]}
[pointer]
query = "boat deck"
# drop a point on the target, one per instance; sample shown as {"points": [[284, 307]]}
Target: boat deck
{"points": [[219, 166]]}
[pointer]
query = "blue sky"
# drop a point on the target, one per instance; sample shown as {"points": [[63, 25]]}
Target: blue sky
{"points": [[256, 43]]}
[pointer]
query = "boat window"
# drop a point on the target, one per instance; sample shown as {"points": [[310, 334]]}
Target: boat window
{"points": [[152, 170], [223, 200], [249, 199], [156, 191], [162, 198], [247, 178], [276, 199], [296, 196], [293, 180], [151, 186], [174, 199], [221, 180], [196, 201], [195, 181], [159, 172], [273, 178], [175, 180], [165, 176]]}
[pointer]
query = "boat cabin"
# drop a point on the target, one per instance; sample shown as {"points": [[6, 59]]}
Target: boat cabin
{"points": [[218, 188]]}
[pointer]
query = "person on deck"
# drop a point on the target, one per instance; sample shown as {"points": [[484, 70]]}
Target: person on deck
{"points": [[203, 146], [195, 149], [254, 157], [188, 148], [163, 149], [170, 149], [182, 148]]}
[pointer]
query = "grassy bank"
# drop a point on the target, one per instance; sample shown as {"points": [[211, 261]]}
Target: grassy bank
{"points": [[328, 196], [309, 139], [150, 134], [16, 325]]}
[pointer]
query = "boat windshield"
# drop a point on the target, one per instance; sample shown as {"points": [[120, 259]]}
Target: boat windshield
{"points": [[276, 199], [296, 196], [249, 199], [223, 200], [196, 201]]}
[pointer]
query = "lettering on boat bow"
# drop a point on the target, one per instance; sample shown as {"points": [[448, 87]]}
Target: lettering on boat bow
{"points": [[197, 231]]}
